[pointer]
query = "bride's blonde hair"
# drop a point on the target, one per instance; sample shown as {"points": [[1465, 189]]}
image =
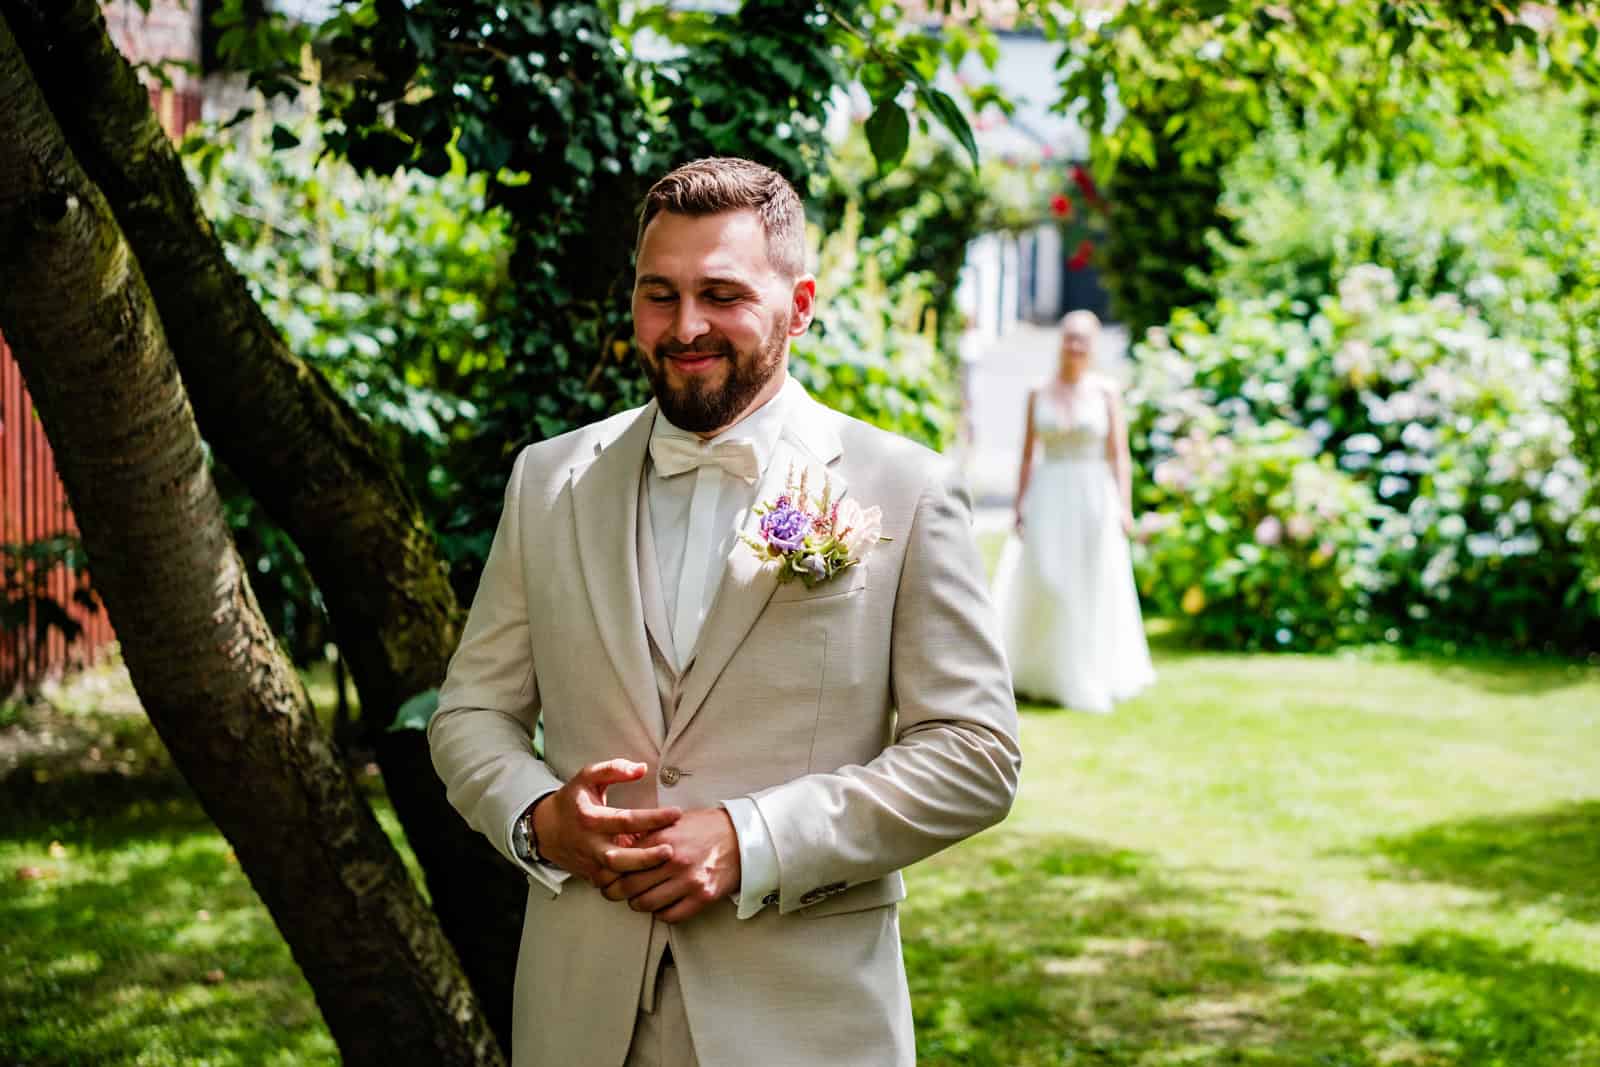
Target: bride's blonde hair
{"points": [[1084, 316]]}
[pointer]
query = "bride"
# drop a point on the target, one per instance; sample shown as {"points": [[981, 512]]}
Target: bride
{"points": [[1068, 608]]}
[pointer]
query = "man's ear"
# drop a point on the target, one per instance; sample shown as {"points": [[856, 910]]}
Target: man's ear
{"points": [[803, 305]]}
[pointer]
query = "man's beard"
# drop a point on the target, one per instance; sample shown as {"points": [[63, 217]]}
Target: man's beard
{"points": [[697, 405]]}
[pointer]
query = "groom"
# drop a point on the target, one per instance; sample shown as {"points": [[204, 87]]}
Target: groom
{"points": [[735, 767]]}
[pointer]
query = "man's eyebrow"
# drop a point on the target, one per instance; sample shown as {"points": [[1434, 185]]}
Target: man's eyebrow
{"points": [[733, 283], [703, 283]]}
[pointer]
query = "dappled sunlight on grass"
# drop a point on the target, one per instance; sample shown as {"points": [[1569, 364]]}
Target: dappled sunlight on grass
{"points": [[131, 934], [1353, 860], [1547, 857], [1331, 861], [1029, 949], [137, 939]]}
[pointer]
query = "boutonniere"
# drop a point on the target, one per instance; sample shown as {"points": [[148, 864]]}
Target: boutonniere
{"points": [[814, 539]]}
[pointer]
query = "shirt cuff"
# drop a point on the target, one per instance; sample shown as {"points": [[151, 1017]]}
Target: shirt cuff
{"points": [[758, 858], [544, 874]]}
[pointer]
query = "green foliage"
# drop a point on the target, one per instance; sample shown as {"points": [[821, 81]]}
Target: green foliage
{"points": [[1582, 313], [391, 287], [1300, 222], [1202, 79], [28, 604], [1171, 92], [1457, 433], [873, 352], [1160, 216], [1260, 542], [914, 223], [569, 123], [251, 39], [416, 712]]}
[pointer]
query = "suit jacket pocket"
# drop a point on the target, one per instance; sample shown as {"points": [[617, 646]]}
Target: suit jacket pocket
{"points": [[851, 582], [878, 893]]}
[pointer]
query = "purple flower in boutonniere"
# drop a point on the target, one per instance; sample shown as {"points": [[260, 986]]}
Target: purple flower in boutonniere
{"points": [[785, 526], [813, 540]]}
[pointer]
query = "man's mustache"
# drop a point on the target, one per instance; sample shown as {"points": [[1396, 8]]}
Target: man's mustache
{"points": [[719, 346]]}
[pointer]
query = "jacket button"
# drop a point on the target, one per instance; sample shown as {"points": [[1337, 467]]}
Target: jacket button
{"points": [[670, 775]]}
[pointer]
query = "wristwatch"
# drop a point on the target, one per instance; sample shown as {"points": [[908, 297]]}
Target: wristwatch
{"points": [[524, 842]]}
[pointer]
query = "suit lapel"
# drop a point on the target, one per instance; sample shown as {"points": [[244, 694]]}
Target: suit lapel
{"points": [[605, 506], [808, 444], [655, 605]]}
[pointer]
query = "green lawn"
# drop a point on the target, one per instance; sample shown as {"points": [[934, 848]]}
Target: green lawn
{"points": [[1263, 860]]}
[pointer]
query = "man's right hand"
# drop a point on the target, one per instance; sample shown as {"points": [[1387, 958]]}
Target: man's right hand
{"points": [[578, 832]]}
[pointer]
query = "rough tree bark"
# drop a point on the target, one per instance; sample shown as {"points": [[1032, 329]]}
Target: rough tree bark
{"points": [[78, 315], [306, 456]]}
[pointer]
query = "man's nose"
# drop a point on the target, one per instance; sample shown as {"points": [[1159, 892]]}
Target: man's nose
{"points": [[689, 323]]}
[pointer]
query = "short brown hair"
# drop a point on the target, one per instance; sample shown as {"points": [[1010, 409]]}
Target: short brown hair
{"points": [[726, 183]]}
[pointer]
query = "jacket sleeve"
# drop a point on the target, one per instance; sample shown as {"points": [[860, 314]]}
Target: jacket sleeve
{"points": [[953, 764], [481, 736]]}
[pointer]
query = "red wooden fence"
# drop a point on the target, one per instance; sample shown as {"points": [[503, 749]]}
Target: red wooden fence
{"points": [[33, 507]]}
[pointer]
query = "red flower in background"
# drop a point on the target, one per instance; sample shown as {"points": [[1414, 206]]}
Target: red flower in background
{"points": [[1080, 258], [1061, 206], [1085, 184]]}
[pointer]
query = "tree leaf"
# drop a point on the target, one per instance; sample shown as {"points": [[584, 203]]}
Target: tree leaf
{"points": [[888, 131], [415, 713], [948, 112]]}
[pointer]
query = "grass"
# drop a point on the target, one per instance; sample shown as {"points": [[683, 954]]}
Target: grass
{"points": [[1283, 860], [1340, 861]]}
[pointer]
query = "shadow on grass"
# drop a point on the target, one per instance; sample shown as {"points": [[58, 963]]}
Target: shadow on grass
{"points": [[1025, 950], [1548, 857], [58, 767], [1511, 676], [131, 934], [142, 942], [1172, 642]]}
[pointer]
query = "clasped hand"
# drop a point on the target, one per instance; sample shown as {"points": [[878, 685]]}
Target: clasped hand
{"points": [[663, 860]]}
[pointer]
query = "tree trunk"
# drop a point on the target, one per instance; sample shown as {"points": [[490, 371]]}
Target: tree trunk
{"points": [[228, 705], [307, 457]]}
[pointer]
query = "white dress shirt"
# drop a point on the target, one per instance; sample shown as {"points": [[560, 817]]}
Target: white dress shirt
{"points": [[703, 510]]}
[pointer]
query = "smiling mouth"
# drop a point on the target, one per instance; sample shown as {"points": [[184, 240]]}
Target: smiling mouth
{"points": [[695, 360]]}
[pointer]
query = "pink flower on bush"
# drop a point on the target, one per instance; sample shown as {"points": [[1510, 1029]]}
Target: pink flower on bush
{"points": [[1152, 523], [1171, 474], [1269, 531]]}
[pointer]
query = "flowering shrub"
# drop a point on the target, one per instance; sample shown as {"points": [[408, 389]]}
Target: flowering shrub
{"points": [[1261, 543], [1457, 434]]}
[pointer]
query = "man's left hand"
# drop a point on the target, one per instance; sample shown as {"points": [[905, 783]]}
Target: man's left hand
{"points": [[703, 869]]}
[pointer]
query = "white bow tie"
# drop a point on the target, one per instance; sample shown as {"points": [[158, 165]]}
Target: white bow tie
{"points": [[679, 455]]}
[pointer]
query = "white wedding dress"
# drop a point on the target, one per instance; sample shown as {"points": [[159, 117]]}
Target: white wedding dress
{"points": [[1069, 611]]}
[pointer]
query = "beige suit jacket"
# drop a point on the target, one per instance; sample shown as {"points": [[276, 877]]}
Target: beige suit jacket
{"points": [[871, 719]]}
